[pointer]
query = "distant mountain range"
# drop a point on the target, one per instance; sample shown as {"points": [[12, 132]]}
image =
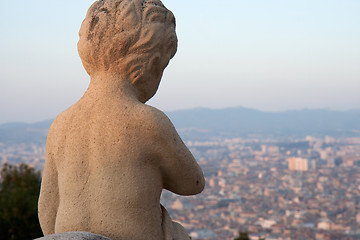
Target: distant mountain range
{"points": [[241, 121], [204, 123], [24, 132]]}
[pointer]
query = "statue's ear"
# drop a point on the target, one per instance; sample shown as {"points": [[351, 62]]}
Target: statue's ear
{"points": [[147, 82], [155, 67]]}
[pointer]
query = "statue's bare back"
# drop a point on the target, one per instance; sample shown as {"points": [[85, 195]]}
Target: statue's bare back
{"points": [[109, 156]]}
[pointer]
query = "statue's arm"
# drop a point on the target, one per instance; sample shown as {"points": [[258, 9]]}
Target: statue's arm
{"points": [[181, 173], [49, 193]]}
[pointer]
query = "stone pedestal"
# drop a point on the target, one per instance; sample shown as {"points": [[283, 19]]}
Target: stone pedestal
{"points": [[74, 236]]}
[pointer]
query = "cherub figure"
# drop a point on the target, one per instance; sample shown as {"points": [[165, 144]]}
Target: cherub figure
{"points": [[109, 156]]}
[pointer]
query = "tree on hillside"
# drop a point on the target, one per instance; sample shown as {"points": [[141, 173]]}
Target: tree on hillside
{"points": [[19, 192], [243, 236]]}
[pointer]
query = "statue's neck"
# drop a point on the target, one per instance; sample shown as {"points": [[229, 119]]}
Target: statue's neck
{"points": [[107, 86]]}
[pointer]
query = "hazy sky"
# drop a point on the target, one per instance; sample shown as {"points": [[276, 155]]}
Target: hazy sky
{"points": [[270, 55]]}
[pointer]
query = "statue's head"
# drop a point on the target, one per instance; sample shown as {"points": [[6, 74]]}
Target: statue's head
{"points": [[131, 38]]}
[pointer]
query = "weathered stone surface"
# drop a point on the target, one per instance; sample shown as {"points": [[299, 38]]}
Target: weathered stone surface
{"points": [[110, 155], [74, 236]]}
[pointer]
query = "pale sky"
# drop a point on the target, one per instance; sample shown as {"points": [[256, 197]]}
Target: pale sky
{"points": [[271, 55]]}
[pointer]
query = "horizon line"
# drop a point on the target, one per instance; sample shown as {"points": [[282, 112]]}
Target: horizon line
{"points": [[207, 108]]}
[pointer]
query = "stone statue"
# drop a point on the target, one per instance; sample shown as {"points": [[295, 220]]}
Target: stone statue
{"points": [[109, 155]]}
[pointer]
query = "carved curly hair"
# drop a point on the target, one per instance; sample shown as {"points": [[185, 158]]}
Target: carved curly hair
{"points": [[122, 35]]}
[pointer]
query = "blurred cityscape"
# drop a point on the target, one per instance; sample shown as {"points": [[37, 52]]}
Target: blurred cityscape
{"points": [[277, 188]]}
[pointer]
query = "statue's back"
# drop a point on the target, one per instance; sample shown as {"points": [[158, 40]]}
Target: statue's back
{"points": [[107, 175]]}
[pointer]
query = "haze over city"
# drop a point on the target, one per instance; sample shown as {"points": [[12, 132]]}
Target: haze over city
{"points": [[268, 55]]}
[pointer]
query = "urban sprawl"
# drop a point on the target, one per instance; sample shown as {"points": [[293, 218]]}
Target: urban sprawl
{"points": [[281, 189]]}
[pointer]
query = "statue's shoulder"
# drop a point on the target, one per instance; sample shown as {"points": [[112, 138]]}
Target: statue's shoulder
{"points": [[61, 122], [155, 117], [156, 124]]}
